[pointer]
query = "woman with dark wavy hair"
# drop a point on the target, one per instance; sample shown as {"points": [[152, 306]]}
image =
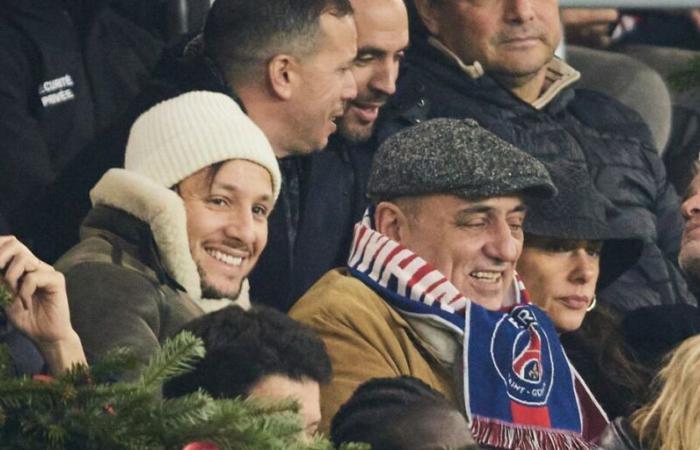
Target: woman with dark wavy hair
{"points": [[573, 248]]}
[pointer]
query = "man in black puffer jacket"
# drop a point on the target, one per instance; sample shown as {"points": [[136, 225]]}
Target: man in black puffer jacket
{"points": [[494, 62]]}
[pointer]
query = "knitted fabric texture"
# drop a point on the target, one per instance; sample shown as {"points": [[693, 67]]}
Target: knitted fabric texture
{"points": [[449, 156], [184, 134], [580, 212]]}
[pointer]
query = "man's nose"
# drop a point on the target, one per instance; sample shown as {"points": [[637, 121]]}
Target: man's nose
{"points": [[519, 11], [384, 79], [502, 245], [349, 90], [241, 226], [691, 206]]}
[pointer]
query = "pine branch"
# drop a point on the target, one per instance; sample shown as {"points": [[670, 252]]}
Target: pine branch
{"points": [[76, 411], [116, 362], [175, 358]]}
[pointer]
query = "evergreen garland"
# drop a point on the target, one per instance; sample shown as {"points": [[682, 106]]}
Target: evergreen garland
{"points": [[85, 409]]}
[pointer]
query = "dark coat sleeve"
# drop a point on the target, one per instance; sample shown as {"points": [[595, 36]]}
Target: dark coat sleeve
{"points": [[112, 306], [26, 164]]}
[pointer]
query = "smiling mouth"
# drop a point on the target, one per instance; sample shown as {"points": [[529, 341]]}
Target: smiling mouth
{"points": [[229, 260], [487, 276]]}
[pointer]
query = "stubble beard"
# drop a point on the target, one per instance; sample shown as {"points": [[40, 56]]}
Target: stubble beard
{"points": [[355, 134], [211, 292]]}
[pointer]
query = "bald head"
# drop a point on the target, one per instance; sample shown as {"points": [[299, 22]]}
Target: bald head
{"points": [[382, 37]]}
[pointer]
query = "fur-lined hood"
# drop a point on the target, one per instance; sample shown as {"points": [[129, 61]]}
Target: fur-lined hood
{"points": [[164, 211]]}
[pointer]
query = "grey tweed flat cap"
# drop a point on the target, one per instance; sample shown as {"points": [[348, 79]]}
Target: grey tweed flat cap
{"points": [[451, 156]]}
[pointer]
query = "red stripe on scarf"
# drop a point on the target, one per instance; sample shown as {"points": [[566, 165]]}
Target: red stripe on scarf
{"points": [[392, 254], [530, 415], [358, 239], [407, 260], [419, 274]]}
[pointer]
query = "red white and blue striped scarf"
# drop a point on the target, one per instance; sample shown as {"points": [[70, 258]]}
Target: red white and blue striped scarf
{"points": [[520, 391]]}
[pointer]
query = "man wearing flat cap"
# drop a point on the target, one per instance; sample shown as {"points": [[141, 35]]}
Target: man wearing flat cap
{"points": [[430, 291]]}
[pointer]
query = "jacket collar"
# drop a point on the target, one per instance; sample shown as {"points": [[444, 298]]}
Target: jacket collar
{"points": [[164, 213], [559, 75]]}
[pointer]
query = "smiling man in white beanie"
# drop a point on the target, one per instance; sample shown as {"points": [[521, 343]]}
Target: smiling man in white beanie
{"points": [[176, 231]]}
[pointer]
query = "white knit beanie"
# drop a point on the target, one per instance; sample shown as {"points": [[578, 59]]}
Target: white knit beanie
{"points": [[182, 135]]}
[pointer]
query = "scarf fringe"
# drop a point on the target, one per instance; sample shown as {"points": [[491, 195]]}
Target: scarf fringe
{"points": [[499, 434]]}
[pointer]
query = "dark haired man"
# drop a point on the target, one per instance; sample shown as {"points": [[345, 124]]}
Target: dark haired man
{"points": [[689, 257], [401, 413], [494, 61], [289, 64], [332, 183], [259, 353]]}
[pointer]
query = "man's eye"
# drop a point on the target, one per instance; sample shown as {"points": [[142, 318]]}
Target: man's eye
{"points": [[516, 226], [260, 211], [474, 224], [217, 201], [363, 59]]}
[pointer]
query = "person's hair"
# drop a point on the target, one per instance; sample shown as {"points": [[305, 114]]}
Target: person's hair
{"points": [[382, 410], [598, 351], [670, 420], [239, 35], [242, 347]]}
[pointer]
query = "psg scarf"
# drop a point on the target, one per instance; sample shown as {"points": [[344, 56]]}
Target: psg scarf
{"points": [[520, 391]]}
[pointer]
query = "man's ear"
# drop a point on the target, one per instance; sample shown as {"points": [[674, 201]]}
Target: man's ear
{"points": [[426, 12], [282, 73], [390, 221]]}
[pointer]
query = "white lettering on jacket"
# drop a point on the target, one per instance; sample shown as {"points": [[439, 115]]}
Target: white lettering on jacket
{"points": [[58, 90]]}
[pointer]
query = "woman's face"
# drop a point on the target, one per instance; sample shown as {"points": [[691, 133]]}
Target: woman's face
{"points": [[561, 276]]}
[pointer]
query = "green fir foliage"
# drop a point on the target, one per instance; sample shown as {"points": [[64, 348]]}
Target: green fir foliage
{"points": [[687, 77], [82, 409]]}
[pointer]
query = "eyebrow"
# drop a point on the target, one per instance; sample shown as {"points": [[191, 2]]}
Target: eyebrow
{"points": [[483, 209], [233, 188], [376, 51]]}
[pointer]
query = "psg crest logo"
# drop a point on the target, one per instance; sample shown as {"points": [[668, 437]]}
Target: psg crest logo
{"points": [[522, 356]]}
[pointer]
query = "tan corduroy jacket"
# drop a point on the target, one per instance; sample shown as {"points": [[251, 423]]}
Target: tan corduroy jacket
{"points": [[365, 338]]}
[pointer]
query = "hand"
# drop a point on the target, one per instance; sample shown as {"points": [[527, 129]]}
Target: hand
{"points": [[589, 27], [694, 15], [39, 306]]}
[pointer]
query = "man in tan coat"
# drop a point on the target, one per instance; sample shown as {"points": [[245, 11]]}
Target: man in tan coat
{"points": [[442, 235]]}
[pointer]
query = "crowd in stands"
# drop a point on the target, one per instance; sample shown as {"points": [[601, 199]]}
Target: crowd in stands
{"points": [[405, 215]]}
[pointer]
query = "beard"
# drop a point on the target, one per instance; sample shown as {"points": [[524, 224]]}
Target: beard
{"points": [[351, 128], [355, 132], [212, 292], [689, 259]]}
